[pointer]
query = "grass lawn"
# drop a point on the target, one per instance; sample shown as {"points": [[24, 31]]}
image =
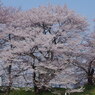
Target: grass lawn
{"points": [[90, 90]]}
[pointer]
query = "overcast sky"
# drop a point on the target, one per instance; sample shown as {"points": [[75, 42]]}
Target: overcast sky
{"points": [[83, 7]]}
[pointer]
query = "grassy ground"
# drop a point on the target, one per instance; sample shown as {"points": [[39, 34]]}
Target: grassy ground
{"points": [[90, 90]]}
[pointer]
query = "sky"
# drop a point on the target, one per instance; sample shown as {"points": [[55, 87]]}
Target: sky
{"points": [[83, 7]]}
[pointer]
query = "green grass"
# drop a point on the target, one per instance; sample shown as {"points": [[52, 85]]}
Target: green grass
{"points": [[89, 90]]}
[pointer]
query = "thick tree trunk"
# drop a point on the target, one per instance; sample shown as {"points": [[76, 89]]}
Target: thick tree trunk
{"points": [[90, 76], [90, 79]]}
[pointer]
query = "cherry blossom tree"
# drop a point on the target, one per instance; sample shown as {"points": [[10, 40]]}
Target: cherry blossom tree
{"points": [[44, 34], [6, 17], [84, 59]]}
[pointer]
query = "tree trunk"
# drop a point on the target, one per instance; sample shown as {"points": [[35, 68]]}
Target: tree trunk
{"points": [[90, 76], [34, 83], [90, 80], [10, 80], [34, 78]]}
